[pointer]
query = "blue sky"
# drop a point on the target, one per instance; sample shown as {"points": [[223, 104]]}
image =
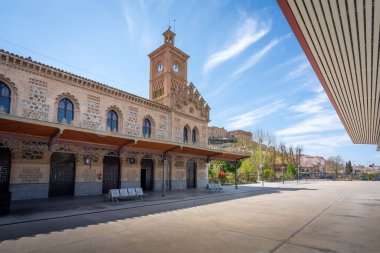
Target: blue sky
{"points": [[244, 60]]}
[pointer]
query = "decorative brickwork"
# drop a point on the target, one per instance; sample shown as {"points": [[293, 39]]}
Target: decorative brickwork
{"points": [[38, 83], [178, 130], [132, 126], [176, 84], [93, 104], [163, 127], [158, 88], [30, 154], [91, 121], [204, 135], [34, 110], [35, 107]]}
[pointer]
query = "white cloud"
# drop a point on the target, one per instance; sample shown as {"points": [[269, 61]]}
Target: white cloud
{"points": [[320, 144], [249, 32], [299, 70], [315, 105], [252, 117], [139, 33], [323, 122], [255, 58], [292, 61]]}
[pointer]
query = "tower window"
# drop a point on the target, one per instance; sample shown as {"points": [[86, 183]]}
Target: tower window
{"points": [[158, 93], [65, 111], [112, 121], [5, 98]]}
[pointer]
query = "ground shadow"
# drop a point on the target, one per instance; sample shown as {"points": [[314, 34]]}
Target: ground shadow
{"points": [[65, 213]]}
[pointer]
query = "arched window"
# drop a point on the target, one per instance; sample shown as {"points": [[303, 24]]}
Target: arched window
{"points": [[112, 121], [5, 98], [65, 111], [185, 135], [194, 136], [147, 129]]}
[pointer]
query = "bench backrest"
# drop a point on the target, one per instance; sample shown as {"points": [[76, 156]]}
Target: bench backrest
{"points": [[131, 191], [139, 191], [114, 193], [124, 193]]}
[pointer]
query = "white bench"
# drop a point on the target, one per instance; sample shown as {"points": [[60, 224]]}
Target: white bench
{"points": [[140, 193], [118, 194], [214, 187], [114, 195]]}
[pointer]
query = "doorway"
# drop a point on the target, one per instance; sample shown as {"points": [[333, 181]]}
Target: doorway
{"points": [[147, 174], [191, 174], [62, 174], [5, 169], [111, 173]]}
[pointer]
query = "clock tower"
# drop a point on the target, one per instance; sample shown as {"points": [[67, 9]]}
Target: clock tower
{"points": [[168, 71]]}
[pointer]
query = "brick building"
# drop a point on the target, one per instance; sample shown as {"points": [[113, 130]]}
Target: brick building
{"points": [[62, 134]]}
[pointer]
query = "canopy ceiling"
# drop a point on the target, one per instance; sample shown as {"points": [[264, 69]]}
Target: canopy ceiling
{"points": [[341, 39]]}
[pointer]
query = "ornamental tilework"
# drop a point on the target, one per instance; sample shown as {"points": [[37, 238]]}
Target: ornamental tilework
{"points": [[178, 132], [35, 110], [132, 126], [91, 121], [162, 131]]}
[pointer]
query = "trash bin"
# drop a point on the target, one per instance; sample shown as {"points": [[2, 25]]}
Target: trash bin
{"points": [[5, 203]]}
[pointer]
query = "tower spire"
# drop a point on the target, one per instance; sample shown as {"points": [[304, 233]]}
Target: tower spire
{"points": [[169, 36]]}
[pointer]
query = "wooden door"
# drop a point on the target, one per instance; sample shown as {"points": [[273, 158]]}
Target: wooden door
{"points": [[111, 173], [62, 174]]}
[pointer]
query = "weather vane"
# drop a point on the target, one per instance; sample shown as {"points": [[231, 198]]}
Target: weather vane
{"points": [[173, 25]]}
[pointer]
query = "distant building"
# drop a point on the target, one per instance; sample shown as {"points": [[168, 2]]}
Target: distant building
{"points": [[217, 132], [315, 164], [241, 134], [220, 136]]}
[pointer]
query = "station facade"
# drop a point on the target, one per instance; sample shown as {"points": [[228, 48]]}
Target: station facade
{"points": [[62, 134]]}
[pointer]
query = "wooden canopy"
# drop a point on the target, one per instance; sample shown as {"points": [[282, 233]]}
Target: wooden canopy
{"points": [[28, 129]]}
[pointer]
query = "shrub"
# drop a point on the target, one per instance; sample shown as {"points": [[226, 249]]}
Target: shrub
{"points": [[268, 174]]}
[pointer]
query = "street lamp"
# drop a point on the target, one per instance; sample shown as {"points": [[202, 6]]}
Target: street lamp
{"points": [[298, 173], [283, 175], [235, 175]]}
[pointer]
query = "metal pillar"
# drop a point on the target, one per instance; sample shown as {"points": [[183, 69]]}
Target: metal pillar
{"points": [[235, 175], [298, 174], [163, 174], [283, 175]]}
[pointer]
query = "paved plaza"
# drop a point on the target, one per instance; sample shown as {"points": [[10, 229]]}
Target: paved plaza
{"points": [[308, 217]]}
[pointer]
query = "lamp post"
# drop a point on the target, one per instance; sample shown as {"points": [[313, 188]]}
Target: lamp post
{"points": [[236, 175], [298, 173], [283, 175], [262, 175]]}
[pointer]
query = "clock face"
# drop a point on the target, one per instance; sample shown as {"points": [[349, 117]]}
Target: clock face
{"points": [[160, 68], [175, 68]]}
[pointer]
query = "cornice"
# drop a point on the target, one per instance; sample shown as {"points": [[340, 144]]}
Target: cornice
{"points": [[190, 116], [35, 67], [171, 48]]}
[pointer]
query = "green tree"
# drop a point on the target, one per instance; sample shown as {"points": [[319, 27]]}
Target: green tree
{"points": [[291, 171], [268, 174], [247, 172], [348, 168]]}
